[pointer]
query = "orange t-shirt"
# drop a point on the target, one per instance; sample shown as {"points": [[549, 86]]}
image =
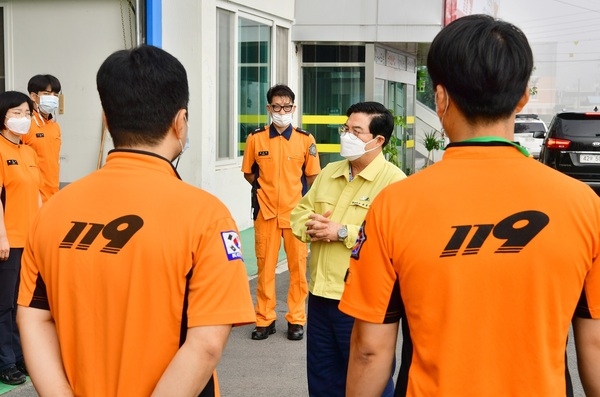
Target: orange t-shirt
{"points": [[20, 182], [44, 137], [282, 161], [487, 253], [130, 257]]}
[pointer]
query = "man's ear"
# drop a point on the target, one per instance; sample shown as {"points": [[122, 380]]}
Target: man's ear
{"points": [[441, 100], [180, 123], [523, 101]]}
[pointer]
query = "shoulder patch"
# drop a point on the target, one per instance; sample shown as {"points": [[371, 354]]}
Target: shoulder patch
{"points": [[232, 244], [360, 239], [302, 131], [312, 150], [260, 129]]}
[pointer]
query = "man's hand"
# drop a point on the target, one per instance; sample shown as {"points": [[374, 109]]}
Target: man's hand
{"points": [[4, 248], [321, 228]]}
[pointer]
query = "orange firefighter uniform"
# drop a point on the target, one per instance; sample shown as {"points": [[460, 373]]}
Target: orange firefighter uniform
{"points": [[280, 163], [44, 137]]}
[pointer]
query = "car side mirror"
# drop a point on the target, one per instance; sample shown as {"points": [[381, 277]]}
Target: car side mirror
{"points": [[539, 134]]}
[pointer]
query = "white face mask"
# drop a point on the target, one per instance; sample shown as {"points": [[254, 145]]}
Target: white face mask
{"points": [[186, 146], [352, 147], [48, 103], [19, 126], [281, 120]]}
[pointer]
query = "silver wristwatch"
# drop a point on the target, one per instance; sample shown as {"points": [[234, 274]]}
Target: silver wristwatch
{"points": [[342, 233]]}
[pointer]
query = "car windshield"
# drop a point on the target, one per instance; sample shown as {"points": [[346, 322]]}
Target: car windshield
{"points": [[580, 128], [528, 127]]}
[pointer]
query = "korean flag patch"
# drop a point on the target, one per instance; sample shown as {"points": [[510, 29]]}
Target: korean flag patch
{"points": [[233, 245], [360, 239]]}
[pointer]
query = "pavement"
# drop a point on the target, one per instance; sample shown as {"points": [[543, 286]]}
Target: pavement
{"points": [[274, 366]]}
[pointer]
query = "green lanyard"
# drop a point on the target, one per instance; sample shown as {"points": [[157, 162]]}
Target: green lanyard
{"points": [[499, 139]]}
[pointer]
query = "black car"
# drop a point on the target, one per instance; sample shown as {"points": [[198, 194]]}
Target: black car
{"points": [[572, 146]]}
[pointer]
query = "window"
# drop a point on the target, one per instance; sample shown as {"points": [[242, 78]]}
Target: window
{"points": [[327, 92], [225, 45], [254, 75], [322, 53]]}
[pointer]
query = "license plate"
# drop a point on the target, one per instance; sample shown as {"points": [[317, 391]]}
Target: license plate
{"points": [[589, 158]]}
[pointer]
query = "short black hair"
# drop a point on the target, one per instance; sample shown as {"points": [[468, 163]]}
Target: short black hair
{"points": [[281, 90], [484, 64], [12, 99], [40, 82], [141, 91], [382, 122]]}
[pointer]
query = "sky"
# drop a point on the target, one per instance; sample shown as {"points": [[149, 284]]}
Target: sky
{"points": [[572, 27]]}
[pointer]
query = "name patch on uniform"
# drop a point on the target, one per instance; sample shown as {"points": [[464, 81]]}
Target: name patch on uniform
{"points": [[312, 150], [233, 245], [12, 162], [360, 239], [39, 135], [263, 153]]}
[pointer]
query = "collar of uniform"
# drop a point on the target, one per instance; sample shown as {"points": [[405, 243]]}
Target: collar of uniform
{"points": [[38, 116], [8, 141], [480, 150], [286, 134], [369, 173], [143, 159]]}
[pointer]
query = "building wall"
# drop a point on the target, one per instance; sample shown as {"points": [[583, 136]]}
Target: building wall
{"points": [[368, 21]]}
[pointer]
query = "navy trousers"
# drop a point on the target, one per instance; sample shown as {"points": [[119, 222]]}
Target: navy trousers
{"points": [[328, 333], [10, 343]]}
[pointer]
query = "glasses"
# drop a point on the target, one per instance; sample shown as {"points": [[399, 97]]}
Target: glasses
{"points": [[286, 108], [19, 113], [343, 129]]}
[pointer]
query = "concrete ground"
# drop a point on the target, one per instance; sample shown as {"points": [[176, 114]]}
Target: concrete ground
{"points": [[275, 366]]}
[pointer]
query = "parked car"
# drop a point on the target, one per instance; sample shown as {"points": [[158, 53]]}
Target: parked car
{"points": [[530, 131], [572, 146]]}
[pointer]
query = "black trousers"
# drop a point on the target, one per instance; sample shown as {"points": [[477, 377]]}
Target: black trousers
{"points": [[328, 333], [10, 343]]}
